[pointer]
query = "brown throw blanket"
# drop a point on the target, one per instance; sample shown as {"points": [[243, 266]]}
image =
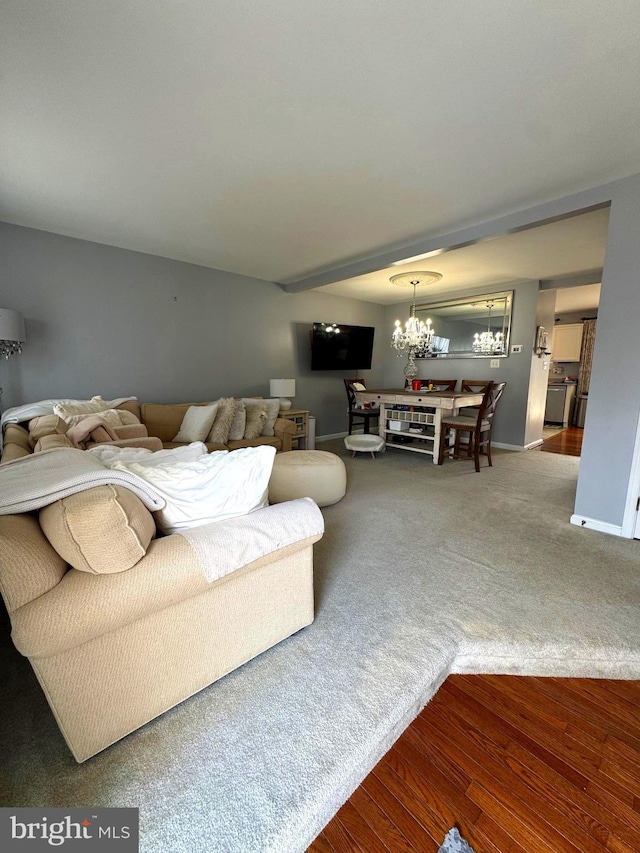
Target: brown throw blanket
{"points": [[92, 428]]}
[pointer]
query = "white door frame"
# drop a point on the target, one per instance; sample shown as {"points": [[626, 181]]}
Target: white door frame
{"points": [[631, 519]]}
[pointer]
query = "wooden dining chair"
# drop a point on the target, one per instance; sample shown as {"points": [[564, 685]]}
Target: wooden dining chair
{"points": [[354, 412], [440, 384], [478, 428], [474, 386], [477, 386]]}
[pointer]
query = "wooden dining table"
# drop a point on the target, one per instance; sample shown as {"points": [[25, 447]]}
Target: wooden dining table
{"points": [[412, 420]]}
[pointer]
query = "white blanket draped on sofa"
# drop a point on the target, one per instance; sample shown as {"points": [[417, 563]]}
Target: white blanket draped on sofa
{"points": [[40, 479]]}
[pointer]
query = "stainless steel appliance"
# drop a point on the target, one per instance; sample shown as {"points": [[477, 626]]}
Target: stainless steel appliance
{"points": [[559, 403], [580, 411]]}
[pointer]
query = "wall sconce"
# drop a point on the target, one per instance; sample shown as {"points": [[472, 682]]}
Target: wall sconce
{"points": [[540, 346]]}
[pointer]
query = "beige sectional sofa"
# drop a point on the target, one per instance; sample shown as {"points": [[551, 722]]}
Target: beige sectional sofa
{"points": [[160, 421], [120, 626], [119, 623]]}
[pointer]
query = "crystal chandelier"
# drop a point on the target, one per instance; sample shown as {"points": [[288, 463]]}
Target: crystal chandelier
{"points": [[486, 342], [415, 337]]}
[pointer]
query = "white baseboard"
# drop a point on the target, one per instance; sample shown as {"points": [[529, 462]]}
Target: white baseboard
{"points": [[518, 447], [332, 435], [595, 524]]}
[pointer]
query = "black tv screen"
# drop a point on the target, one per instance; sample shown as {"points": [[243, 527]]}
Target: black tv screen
{"points": [[337, 346]]}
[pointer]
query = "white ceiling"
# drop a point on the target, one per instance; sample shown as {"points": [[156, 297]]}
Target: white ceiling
{"points": [[276, 138], [562, 248], [584, 298]]}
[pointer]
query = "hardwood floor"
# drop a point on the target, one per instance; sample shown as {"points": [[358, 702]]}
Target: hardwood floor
{"points": [[520, 765], [568, 442]]}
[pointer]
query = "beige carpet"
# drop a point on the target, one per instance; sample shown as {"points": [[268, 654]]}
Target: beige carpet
{"points": [[422, 570]]}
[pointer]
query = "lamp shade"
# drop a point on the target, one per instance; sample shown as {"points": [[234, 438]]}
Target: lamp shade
{"points": [[282, 387], [11, 326]]}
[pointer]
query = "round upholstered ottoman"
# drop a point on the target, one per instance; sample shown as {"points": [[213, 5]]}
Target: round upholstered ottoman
{"points": [[367, 443], [308, 474]]}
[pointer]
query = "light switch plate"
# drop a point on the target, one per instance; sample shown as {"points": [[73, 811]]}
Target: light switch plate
{"points": [[516, 348], [495, 362]]}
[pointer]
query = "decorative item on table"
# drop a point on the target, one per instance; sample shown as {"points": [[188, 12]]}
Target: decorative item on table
{"points": [[416, 336], [487, 342], [284, 389], [416, 384]]}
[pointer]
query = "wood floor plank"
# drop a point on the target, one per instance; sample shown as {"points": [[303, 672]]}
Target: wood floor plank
{"points": [[339, 838], [359, 829], [558, 783], [384, 827], [619, 709], [520, 765], [434, 780], [406, 823], [516, 825], [493, 772], [587, 710], [491, 723], [582, 759], [433, 813], [321, 845]]}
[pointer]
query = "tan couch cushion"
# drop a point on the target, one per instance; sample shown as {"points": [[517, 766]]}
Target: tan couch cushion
{"points": [[50, 442], [29, 567], [46, 425], [102, 530], [13, 451], [16, 434]]}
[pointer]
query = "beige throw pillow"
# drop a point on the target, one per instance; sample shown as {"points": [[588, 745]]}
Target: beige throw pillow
{"points": [[127, 418], [102, 530], [226, 411], [256, 419], [197, 423], [272, 407], [236, 433], [88, 407]]}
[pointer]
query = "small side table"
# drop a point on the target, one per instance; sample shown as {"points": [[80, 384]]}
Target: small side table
{"points": [[300, 418]]}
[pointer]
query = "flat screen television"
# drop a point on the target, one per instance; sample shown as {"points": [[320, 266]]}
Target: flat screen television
{"points": [[338, 346]]}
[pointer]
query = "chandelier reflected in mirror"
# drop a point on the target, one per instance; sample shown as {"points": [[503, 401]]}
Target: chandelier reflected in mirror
{"points": [[416, 336], [487, 342]]}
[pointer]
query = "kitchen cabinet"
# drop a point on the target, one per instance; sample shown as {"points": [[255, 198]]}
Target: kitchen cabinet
{"points": [[566, 342]]}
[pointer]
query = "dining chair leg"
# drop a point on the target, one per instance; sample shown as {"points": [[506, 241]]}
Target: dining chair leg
{"points": [[366, 424], [350, 422], [476, 449], [443, 433], [489, 450]]}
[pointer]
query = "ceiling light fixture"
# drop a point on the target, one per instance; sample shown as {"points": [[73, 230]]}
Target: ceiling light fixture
{"points": [[415, 337]]}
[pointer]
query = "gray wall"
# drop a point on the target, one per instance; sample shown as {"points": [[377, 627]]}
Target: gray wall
{"points": [[614, 393], [102, 320], [511, 417]]}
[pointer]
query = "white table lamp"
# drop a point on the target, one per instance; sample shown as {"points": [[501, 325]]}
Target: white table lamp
{"points": [[283, 388]]}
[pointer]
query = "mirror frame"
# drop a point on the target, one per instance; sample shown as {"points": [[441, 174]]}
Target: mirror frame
{"points": [[428, 307]]}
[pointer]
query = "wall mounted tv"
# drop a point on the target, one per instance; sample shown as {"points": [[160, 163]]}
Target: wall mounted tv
{"points": [[337, 346]]}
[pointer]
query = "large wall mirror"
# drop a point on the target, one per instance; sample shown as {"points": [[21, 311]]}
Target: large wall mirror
{"points": [[476, 327]]}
